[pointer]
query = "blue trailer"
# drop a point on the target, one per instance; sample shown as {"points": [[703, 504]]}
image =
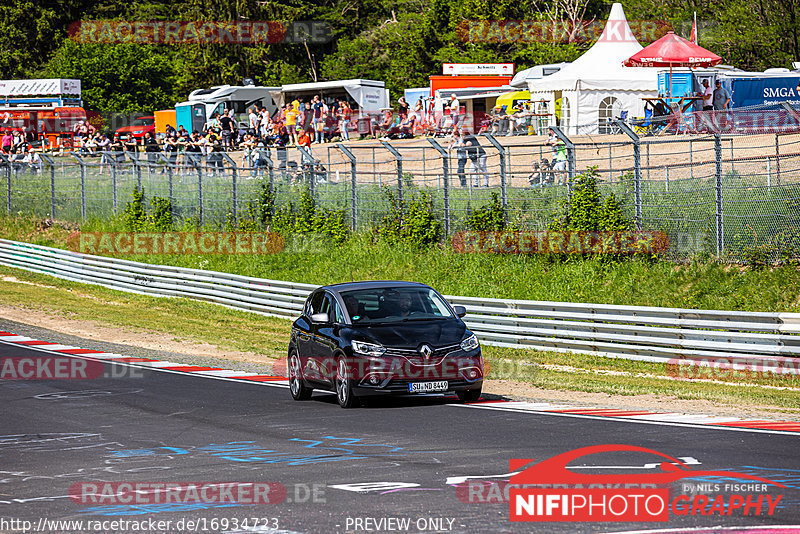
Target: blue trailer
{"points": [[767, 90]]}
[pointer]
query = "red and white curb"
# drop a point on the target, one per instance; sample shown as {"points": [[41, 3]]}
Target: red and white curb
{"points": [[542, 408], [718, 422], [148, 363]]}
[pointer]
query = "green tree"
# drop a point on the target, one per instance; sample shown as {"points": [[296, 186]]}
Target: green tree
{"points": [[120, 78]]}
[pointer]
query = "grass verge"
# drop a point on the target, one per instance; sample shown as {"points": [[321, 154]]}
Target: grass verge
{"points": [[535, 277], [182, 319]]}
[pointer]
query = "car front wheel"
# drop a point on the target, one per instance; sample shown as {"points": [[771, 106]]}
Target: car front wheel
{"points": [[299, 390], [344, 387]]}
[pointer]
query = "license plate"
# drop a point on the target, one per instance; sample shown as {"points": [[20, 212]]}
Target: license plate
{"points": [[427, 387]]}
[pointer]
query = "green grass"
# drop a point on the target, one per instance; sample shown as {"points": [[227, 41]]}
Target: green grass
{"points": [[182, 319], [692, 285]]}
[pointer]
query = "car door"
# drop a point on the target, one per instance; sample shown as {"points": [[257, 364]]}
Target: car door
{"points": [[305, 335], [325, 337]]}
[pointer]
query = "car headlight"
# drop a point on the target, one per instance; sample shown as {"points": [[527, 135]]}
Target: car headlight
{"points": [[370, 349], [469, 344]]}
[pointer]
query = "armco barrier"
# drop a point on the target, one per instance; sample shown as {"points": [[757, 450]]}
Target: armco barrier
{"points": [[632, 332]]}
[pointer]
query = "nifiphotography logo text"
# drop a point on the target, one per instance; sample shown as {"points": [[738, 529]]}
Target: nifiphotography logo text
{"points": [[548, 491]]}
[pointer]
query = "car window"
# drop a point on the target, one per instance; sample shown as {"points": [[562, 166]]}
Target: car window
{"points": [[394, 304], [316, 303]]}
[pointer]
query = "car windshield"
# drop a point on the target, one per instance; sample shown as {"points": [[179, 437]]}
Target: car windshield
{"points": [[396, 304], [143, 122]]}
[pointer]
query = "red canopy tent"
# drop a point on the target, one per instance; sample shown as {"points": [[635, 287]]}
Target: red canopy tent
{"points": [[672, 51]]}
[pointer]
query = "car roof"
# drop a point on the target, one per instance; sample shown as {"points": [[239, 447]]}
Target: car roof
{"points": [[371, 284]]}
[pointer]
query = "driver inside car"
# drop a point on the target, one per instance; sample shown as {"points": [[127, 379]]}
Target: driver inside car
{"points": [[404, 305]]}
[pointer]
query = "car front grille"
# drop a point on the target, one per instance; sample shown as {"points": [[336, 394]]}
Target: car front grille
{"points": [[414, 357]]}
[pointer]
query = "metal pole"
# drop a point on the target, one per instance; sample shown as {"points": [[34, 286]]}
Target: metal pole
{"points": [[732, 154], [83, 183], [200, 195], [637, 169], [718, 187], [610, 172], [374, 167], [83, 191], [666, 177], [691, 167], [399, 159], [425, 169], [7, 166], [308, 157], [234, 192], [446, 181], [270, 169], [114, 185], [648, 160], [777, 161], [570, 156], [353, 198], [769, 173], [501, 154], [52, 191]]}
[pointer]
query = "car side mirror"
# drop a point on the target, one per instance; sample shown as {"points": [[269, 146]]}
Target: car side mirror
{"points": [[319, 318], [461, 311]]}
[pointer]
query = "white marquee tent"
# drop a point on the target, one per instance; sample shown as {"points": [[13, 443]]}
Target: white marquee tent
{"points": [[596, 86]]}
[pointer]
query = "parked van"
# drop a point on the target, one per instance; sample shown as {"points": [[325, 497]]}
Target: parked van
{"points": [[204, 103]]}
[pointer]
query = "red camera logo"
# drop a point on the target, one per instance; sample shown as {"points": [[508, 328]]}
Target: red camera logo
{"points": [[548, 491]]}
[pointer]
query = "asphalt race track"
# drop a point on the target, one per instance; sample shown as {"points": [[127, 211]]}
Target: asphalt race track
{"points": [[392, 466]]}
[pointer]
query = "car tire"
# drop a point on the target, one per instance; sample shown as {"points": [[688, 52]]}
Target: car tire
{"points": [[344, 386], [296, 385], [469, 395]]}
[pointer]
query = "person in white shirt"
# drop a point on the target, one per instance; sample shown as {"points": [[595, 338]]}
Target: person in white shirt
{"points": [[454, 107], [253, 118], [708, 96]]}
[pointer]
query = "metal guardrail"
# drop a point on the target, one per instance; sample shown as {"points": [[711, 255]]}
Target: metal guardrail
{"points": [[769, 340]]}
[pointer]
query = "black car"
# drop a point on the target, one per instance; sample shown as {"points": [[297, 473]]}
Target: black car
{"points": [[375, 338]]}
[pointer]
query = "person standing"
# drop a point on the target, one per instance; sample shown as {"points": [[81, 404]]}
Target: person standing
{"points": [[722, 98], [318, 107], [419, 112], [308, 116], [226, 123], [708, 96], [455, 108], [253, 120], [461, 157], [291, 122], [151, 148], [344, 120], [477, 154]]}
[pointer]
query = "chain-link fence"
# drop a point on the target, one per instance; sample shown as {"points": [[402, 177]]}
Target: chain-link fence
{"points": [[721, 196]]}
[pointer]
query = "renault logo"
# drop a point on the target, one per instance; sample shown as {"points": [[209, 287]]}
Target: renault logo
{"points": [[426, 351]]}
